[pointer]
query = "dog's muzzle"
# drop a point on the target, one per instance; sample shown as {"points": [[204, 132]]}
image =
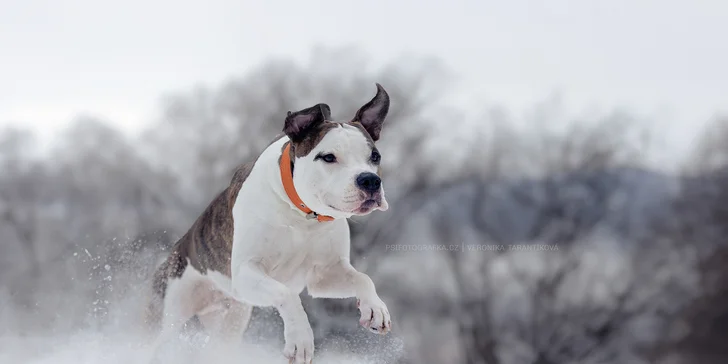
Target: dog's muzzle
{"points": [[368, 182]]}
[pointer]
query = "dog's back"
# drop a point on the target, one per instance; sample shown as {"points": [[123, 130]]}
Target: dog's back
{"points": [[207, 246]]}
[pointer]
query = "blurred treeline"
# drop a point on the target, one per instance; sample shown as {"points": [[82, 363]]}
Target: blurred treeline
{"points": [[640, 275]]}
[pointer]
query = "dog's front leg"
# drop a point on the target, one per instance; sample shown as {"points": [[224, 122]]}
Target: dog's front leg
{"points": [[253, 286], [341, 280]]}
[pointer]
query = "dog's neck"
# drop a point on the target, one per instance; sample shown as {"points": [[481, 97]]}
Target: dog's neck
{"points": [[286, 168], [267, 170]]}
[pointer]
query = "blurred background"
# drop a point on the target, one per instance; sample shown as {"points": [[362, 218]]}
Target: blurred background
{"points": [[596, 129]]}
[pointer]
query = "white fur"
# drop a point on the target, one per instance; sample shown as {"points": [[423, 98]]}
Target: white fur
{"points": [[207, 296], [330, 189], [277, 252]]}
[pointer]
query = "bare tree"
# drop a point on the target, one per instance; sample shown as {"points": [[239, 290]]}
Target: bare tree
{"points": [[711, 152], [204, 134], [88, 219]]}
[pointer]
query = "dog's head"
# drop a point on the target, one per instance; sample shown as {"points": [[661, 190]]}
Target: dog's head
{"points": [[336, 164]]}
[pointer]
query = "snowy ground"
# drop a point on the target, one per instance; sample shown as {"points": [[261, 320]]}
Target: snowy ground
{"points": [[33, 337], [60, 324], [94, 348]]}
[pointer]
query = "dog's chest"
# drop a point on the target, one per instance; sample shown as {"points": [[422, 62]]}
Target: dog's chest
{"points": [[289, 254], [286, 254]]}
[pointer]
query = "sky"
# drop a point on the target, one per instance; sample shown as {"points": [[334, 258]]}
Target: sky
{"points": [[664, 60]]}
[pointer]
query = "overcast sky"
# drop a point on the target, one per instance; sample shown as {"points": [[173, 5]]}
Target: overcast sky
{"points": [[661, 58]]}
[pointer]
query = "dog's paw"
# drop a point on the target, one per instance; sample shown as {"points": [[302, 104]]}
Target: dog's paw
{"points": [[375, 315], [299, 344]]}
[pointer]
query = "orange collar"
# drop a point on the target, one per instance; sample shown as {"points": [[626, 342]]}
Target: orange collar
{"points": [[287, 179]]}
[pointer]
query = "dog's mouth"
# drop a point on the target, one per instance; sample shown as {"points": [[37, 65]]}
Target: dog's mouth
{"points": [[363, 204], [371, 203], [364, 208], [367, 206]]}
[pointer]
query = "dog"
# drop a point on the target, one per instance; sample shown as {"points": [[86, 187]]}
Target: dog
{"points": [[279, 227]]}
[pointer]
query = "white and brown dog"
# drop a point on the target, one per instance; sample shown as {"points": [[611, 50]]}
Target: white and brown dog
{"points": [[281, 227]]}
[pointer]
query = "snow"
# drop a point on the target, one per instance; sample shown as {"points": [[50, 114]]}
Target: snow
{"points": [[91, 347]]}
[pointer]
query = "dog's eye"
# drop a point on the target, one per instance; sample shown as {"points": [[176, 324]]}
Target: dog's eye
{"points": [[328, 158], [375, 158]]}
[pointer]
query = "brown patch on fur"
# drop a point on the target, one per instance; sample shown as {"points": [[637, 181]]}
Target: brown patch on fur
{"points": [[361, 128], [312, 138], [318, 132], [209, 242], [207, 245], [308, 143], [172, 267]]}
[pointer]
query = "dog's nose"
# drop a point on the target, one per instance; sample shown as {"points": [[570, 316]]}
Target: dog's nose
{"points": [[369, 182]]}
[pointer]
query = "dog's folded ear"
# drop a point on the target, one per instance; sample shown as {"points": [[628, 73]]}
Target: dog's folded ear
{"points": [[300, 122], [372, 114]]}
